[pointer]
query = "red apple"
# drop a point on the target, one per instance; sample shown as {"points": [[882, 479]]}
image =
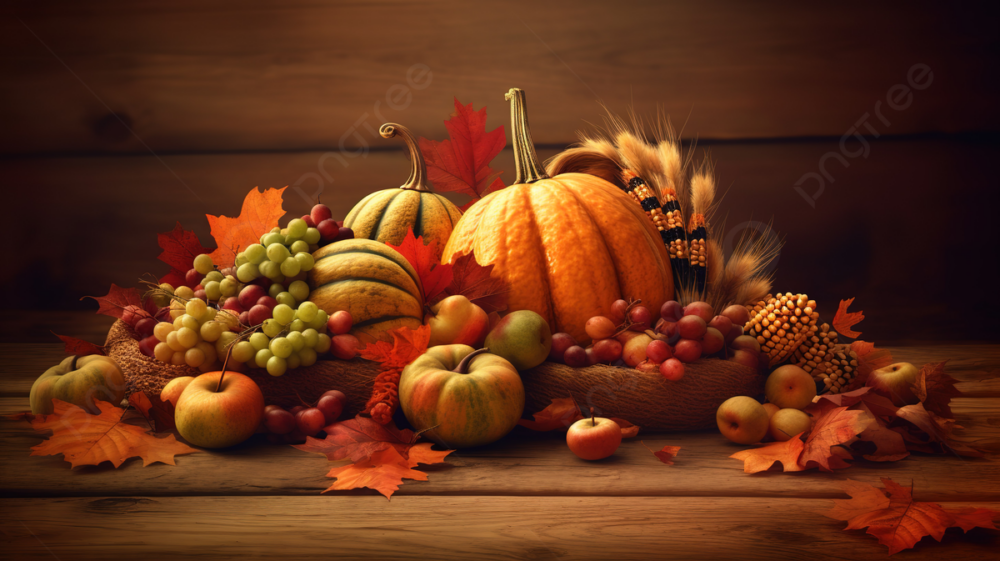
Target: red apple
{"points": [[456, 320], [742, 420], [214, 417], [896, 382], [594, 438]]}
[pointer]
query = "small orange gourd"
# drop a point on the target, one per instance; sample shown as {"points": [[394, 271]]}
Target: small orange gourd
{"points": [[568, 246]]}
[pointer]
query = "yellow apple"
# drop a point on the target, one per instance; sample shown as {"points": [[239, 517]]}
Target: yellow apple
{"points": [[896, 381], [174, 388], [790, 387], [787, 423], [456, 320], [214, 417], [742, 420]]}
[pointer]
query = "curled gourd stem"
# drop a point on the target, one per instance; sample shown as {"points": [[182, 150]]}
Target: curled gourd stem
{"points": [[529, 169], [463, 366], [418, 169]]}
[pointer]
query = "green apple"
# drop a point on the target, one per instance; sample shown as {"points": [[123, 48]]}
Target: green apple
{"points": [[790, 387], [522, 337], [742, 420], [214, 417], [786, 423], [896, 382]]}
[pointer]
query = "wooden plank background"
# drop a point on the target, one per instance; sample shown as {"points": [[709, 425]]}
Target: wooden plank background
{"points": [[222, 96]]}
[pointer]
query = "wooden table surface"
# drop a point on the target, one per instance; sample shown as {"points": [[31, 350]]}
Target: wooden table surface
{"points": [[526, 497]]}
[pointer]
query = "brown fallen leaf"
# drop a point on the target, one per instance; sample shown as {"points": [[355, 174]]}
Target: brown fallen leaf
{"points": [[896, 520], [159, 413], [359, 438], [937, 429], [869, 360], [563, 412], [935, 389], [85, 439], [665, 454], [889, 444]]}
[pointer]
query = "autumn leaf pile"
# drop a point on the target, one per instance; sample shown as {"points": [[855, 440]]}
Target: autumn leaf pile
{"points": [[864, 423], [380, 455]]}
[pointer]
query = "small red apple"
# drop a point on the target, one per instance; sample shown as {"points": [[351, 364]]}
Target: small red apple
{"points": [[595, 438], [456, 320]]}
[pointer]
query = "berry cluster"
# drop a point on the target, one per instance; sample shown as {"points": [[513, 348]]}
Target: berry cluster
{"points": [[295, 424]]}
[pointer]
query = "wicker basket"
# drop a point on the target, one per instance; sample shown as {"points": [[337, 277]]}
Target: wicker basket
{"points": [[644, 399]]}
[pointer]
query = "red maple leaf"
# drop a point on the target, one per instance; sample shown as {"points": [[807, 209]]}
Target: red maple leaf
{"points": [[114, 303], [407, 344], [665, 454], [843, 321], [434, 276], [935, 388], [462, 163], [896, 520], [79, 347], [937, 429], [358, 438], [259, 214], [180, 247], [476, 282], [869, 360]]}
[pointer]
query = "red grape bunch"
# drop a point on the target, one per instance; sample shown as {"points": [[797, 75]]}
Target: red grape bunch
{"points": [[295, 424]]}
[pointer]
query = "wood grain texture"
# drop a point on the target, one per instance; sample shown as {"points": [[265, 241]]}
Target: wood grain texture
{"points": [[225, 75], [846, 246], [452, 528]]}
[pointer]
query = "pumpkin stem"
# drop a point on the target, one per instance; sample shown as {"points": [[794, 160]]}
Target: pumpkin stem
{"points": [[529, 169], [463, 367], [418, 169]]}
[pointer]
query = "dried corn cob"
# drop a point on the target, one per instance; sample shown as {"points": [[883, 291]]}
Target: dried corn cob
{"points": [[839, 370], [816, 350], [667, 219], [781, 324], [697, 251]]}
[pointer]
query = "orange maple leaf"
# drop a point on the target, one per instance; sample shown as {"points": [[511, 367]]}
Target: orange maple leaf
{"points": [[84, 439], [358, 438], [896, 520], [869, 360], [937, 429], [665, 454], [434, 276], [563, 412], [843, 320], [834, 428], [383, 471], [935, 388], [259, 215], [475, 282], [407, 344]]}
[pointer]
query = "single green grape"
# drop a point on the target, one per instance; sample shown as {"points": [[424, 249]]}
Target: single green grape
{"points": [[270, 269], [306, 261], [281, 347], [276, 366], [255, 253], [224, 341], [307, 311], [213, 275], [290, 267], [296, 339], [286, 299], [203, 264], [275, 289], [272, 238], [243, 351], [283, 313], [276, 230], [211, 330], [293, 361], [228, 286], [173, 342], [319, 322], [262, 357], [298, 247], [311, 236], [310, 336], [272, 327], [241, 259], [290, 241], [187, 320], [322, 343], [259, 340], [187, 337], [195, 308], [296, 325], [297, 227], [277, 252], [307, 357], [213, 290], [247, 272], [184, 292], [299, 290], [209, 314]]}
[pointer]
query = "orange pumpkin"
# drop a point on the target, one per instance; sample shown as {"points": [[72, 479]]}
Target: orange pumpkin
{"points": [[568, 246]]}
